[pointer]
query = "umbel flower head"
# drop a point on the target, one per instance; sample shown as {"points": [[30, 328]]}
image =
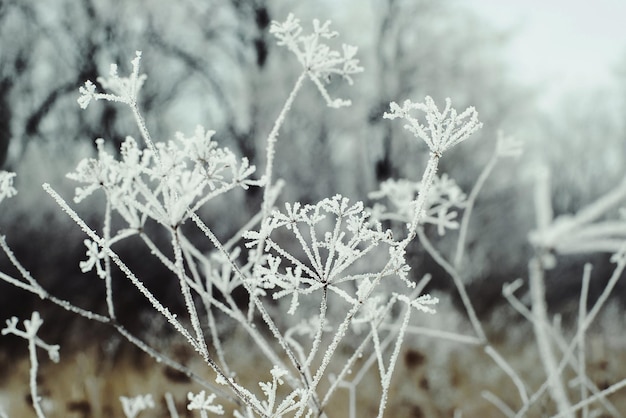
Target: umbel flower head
{"points": [[335, 236], [318, 59], [443, 129], [444, 198], [123, 89]]}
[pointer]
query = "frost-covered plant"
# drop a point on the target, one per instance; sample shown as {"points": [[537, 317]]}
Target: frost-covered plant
{"points": [[6, 185], [442, 203], [323, 280], [442, 130], [318, 60], [582, 232], [331, 272], [350, 236], [31, 327], [270, 406], [132, 407], [123, 89], [203, 403], [168, 182]]}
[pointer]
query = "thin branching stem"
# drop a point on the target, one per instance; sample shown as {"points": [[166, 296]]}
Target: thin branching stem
{"points": [[257, 303], [163, 359], [458, 282], [420, 205], [592, 399], [498, 403], [580, 334], [34, 287], [569, 352], [23, 271], [34, 365], [244, 396], [271, 145], [143, 129], [317, 340], [506, 367], [184, 287], [122, 266], [108, 280], [386, 378], [469, 207]]}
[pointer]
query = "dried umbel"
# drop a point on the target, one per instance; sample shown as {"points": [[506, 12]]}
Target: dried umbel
{"points": [[318, 59], [443, 129]]}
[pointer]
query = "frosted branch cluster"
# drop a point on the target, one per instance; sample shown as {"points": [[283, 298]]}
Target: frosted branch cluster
{"points": [[334, 235], [443, 129], [6, 185], [444, 199], [186, 173], [132, 407], [318, 60], [124, 89], [31, 327], [204, 403]]}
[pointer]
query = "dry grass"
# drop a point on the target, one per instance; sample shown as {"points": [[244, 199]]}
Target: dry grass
{"points": [[433, 379]]}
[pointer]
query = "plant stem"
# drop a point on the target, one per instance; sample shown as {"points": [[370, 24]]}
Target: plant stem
{"points": [[32, 350], [540, 312], [271, 145]]}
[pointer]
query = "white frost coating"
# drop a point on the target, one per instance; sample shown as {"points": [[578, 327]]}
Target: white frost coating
{"points": [[318, 60], [31, 327], [6, 185], [203, 403], [443, 129], [133, 406]]}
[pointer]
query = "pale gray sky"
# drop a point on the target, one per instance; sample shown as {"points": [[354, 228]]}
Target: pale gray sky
{"points": [[567, 44]]}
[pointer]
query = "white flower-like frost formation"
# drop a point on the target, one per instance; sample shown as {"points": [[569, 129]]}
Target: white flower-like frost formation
{"points": [[444, 200], [443, 129], [124, 89], [6, 185], [318, 59]]}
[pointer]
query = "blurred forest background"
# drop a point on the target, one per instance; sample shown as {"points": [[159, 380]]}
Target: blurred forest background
{"points": [[214, 63]]}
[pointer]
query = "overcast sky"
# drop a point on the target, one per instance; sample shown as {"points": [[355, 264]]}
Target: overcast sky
{"points": [[564, 43]]}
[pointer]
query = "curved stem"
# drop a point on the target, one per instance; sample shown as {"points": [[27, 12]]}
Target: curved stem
{"points": [[458, 282], [467, 213], [34, 365], [271, 144], [420, 204]]}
